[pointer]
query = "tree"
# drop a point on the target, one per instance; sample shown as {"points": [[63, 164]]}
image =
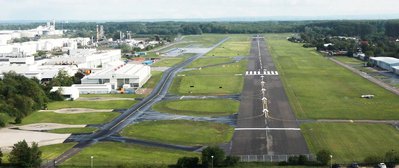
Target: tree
{"points": [[392, 156], [216, 152], [323, 156], [61, 79], [24, 156]]}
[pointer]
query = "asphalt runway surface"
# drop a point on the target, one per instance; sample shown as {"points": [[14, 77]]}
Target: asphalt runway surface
{"points": [[256, 134]]}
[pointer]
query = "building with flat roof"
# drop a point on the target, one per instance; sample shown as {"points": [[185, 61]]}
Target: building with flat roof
{"points": [[69, 93], [127, 76], [385, 62]]}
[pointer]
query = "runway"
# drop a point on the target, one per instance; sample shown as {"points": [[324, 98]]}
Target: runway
{"points": [[266, 124]]}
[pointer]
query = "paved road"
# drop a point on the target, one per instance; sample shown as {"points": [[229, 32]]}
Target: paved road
{"points": [[276, 135], [132, 113], [368, 77]]}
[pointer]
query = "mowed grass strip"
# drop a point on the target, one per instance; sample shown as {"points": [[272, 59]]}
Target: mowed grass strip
{"points": [[180, 132], [81, 118], [237, 45], [50, 152], [207, 85], [199, 107], [112, 154], [319, 88], [224, 70], [209, 61], [169, 62], [204, 40], [111, 104], [153, 81], [351, 142], [73, 130], [111, 95]]}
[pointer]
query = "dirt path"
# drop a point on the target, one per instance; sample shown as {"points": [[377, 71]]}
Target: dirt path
{"points": [[77, 110], [45, 126]]}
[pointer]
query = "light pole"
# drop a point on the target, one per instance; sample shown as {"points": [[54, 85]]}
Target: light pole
{"points": [[91, 161], [212, 160], [331, 161]]}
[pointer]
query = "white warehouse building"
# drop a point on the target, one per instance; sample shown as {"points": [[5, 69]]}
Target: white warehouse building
{"points": [[127, 76], [386, 63]]}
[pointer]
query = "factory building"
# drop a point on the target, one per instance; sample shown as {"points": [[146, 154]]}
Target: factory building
{"points": [[126, 76], [386, 63]]}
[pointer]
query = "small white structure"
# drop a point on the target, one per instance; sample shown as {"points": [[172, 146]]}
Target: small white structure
{"points": [[69, 93], [395, 69], [93, 88], [127, 76]]}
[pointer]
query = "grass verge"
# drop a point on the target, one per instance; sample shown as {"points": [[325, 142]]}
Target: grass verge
{"points": [[112, 104], [207, 85], [319, 88], [199, 107], [50, 152], [350, 142], [112, 154], [73, 130], [181, 132], [81, 118]]}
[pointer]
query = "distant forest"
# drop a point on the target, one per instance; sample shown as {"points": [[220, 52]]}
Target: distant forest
{"points": [[379, 35]]}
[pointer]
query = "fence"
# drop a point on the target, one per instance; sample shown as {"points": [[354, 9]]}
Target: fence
{"points": [[269, 158]]}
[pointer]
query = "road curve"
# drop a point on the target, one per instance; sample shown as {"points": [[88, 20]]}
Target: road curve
{"points": [[130, 114]]}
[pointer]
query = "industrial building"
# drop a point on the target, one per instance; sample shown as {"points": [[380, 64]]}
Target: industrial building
{"points": [[69, 93], [386, 63], [126, 76]]}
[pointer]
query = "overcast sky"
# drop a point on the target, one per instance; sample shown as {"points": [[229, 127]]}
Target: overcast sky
{"points": [[183, 9]]}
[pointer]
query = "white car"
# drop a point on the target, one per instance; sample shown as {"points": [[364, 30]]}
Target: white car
{"points": [[382, 165]]}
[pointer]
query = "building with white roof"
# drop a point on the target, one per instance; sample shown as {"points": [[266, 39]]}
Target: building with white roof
{"points": [[127, 76], [385, 62], [69, 93]]}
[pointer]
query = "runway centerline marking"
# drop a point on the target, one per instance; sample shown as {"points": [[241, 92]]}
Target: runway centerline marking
{"points": [[263, 129]]}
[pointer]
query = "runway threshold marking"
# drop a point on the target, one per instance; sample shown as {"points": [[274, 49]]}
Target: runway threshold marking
{"points": [[264, 72], [263, 129]]}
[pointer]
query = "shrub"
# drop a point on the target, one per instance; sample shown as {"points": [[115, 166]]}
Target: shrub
{"points": [[231, 160], [323, 157], [216, 152], [188, 162]]}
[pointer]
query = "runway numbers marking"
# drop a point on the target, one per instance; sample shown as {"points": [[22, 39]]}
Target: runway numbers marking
{"points": [[263, 129], [264, 72]]}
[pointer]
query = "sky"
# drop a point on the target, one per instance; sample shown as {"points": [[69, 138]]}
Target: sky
{"points": [[194, 9]]}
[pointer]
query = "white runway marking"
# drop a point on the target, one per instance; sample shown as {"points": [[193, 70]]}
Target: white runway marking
{"points": [[261, 73], [263, 129]]}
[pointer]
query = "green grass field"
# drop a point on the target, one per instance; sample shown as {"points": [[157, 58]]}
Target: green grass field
{"points": [[209, 61], [111, 154], [237, 45], [52, 151], [112, 104], [73, 130], [111, 95], [199, 107], [169, 62], [351, 142], [207, 85], [224, 70], [81, 118], [180, 132], [153, 81], [318, 88], [204, 40]]}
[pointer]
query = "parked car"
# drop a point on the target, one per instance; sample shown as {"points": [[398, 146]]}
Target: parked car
{"points": [[354, 165], [382, 165]]}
